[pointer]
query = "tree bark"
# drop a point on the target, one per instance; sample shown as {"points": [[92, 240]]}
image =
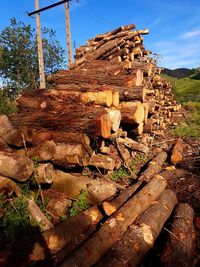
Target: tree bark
{"points": [[177, 152], [115, 226], [154, 166], [179, 247], [139, 238]]}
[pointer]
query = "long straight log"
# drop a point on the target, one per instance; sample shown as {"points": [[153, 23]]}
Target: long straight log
{"points": [[56, 243], [115, 226], [179, 247], [154, 166], [139, 238]]}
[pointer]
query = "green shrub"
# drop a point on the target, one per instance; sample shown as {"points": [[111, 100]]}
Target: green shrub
{"points": [[7, 105], [80, 205]]}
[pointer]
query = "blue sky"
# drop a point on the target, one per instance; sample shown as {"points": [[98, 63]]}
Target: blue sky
{"points": [[174, 24]]}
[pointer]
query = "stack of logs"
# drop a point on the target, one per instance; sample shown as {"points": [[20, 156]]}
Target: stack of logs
{"points": [[91, 116]]}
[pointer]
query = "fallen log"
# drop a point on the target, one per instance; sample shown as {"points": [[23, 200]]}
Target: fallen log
{"points": [[18, 168], [110, 207], [37, 215], [44, 173], [128, 142], [44, 151], [102, 162], [139, 238], [179, 247], [115, 226], [71, 154], [154, 166], [56, 243], [177, 152]]}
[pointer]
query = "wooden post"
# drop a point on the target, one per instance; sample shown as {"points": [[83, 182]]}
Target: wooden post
{"points": [[69, 42], [39, 47]]}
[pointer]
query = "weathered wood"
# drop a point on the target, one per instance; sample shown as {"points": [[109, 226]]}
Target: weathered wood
{"points": [[115, 118], [179, 247], [101, 191], [110, 207], [139, 238], [37, 215], [56, 243], [177, 152], [44, 151], [71, 154], [115, 226], [18, 168], [102, 161], [44, 173], [133, 144], [154, 166]]}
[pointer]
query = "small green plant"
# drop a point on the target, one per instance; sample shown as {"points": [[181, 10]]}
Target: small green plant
{"points": [[36, 161], [80, 205], [2, 198], [7, 105], [17, 222], [121, 173]]}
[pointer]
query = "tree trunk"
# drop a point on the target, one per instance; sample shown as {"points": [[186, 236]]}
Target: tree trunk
{"points": [[179, 248], [115, 226], [139, 238], [18, 168]]}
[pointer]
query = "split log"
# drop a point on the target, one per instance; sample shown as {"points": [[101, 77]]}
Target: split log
{"points": [[115, 226], [128, 142], [102, 191], [115, 118], [154, 166], [37, 215], [8, 187], [110, 207], [56, 243], [18, 168], [132, 112], [177, 152], [139, 238], [179, 248], [102, 161], [44, 151], [125, 154], [113, 153], [71, 154], [44, 173]]}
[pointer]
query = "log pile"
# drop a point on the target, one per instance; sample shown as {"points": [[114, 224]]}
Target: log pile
{"points": [[78, 135]]}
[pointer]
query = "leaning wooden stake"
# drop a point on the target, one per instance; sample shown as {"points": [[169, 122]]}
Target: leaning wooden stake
{"points": [[115, 226], [179, 248], [139, 238]]}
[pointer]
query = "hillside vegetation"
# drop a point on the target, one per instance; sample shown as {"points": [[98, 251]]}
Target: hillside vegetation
{"points": [[187, 92]]}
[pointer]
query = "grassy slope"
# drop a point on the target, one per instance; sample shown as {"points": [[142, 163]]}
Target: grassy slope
{"points": [[187, 92]]}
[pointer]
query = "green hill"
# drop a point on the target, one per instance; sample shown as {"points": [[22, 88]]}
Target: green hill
{"points": [[186, 89]]}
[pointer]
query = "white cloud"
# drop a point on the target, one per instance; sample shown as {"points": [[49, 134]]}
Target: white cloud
{"points": [[189, 35], [155, 23]]}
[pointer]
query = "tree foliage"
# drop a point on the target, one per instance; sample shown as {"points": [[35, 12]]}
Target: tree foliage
{"points": [[18, 53]]}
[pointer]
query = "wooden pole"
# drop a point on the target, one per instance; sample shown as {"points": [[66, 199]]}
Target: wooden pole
{"points": [[40, 48], [69, 42]]}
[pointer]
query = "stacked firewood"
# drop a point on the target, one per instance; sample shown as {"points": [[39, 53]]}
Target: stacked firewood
{"points": [[90, 119]]}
